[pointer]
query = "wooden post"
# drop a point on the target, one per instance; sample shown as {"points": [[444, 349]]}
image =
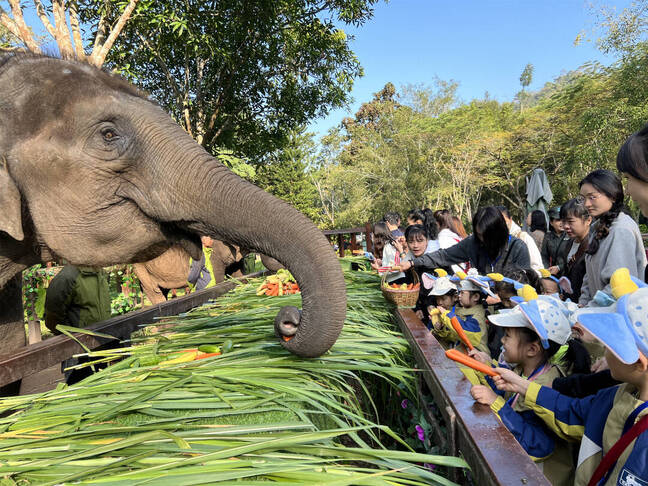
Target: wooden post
{"points": [[368, 239], [354, 242], [341, 244]]}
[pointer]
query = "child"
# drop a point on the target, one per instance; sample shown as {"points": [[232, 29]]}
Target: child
{"points": [[445, 296], [505, 287], [392, 253], [534, 332], [550, 284], [470, 314], [606, 423]]}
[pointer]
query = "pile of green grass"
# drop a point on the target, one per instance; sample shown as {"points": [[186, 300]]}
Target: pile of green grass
{"points": [[254, 414]]}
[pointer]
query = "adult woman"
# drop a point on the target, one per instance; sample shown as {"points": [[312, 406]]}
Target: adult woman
{"points": [[448, 235], [632, 162], [537, 226], [576, 223], [615, 240], [392, 252], [489, 249], [432, 230]]}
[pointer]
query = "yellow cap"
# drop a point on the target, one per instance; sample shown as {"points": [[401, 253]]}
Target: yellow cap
{"points": [[621, 283], [545, 273], [440, 272], [528, 293]]}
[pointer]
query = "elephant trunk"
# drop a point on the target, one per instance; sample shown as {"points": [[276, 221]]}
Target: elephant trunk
{"points": [[228, 208]]}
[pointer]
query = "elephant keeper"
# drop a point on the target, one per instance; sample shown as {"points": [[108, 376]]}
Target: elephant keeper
{"points": [[78, 297]]}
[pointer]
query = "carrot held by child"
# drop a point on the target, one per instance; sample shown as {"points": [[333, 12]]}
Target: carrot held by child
{"points": [[459, 357], [460, 332]]}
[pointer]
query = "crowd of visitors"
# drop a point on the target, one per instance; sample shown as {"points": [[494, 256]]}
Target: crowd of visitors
{"points": [[559, 310]]}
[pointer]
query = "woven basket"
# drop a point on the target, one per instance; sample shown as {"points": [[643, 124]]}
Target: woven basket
{"points": [[402, 298]]}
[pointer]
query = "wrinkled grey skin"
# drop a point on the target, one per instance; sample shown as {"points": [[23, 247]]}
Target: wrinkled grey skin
{"points": [[93, 172], [169, 270], [226, 255]]}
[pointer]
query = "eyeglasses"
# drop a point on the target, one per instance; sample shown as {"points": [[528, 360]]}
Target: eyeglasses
{"points": [[590, 197]]}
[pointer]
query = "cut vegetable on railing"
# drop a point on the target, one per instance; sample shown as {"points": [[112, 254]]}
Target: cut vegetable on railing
{"points": [[281, 283]]}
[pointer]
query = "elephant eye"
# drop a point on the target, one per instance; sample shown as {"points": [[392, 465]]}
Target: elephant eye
{"points": [[109, 134]]}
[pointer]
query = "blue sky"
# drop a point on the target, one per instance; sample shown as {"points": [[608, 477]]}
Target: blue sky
{"points": [[484, 45]]}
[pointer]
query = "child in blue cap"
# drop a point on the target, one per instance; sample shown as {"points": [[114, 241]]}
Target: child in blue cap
{"points": [[613, 424], [535, 331]]}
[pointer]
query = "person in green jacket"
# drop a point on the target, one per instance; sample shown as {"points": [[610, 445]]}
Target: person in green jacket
{"points": [[78, 297]]}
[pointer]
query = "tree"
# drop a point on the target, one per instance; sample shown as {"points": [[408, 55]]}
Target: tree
{"points": [[69, 40], [525, 80], [285, 174], [239, 74]]}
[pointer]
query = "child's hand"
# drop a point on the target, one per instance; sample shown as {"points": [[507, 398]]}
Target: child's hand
{"points": [[442, 309], [480, 356], [419, 314], [600, 365], [510, 381], [483, 394], [398, 245], [493, 300], [554, 270]]}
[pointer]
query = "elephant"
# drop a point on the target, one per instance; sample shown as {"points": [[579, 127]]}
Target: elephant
{"points": [[167, 271], [94, 172], [227, 259]]}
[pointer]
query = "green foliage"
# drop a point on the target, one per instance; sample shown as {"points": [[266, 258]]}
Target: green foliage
{"points": [[395, 155], [285, 175], [527, 76], [239, 74]]}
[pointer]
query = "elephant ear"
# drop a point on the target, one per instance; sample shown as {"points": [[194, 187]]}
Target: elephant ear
{"points": [[10, 216]]}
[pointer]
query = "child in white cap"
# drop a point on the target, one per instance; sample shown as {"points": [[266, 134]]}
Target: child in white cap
{"points": [[534, 332], [613, 424], [469, 312]]}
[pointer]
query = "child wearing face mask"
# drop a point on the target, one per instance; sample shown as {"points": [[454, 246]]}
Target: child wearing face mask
{"points": [[612, 425]]}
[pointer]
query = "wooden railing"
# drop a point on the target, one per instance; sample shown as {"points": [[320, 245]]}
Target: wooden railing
{"points": [[352, 232], [471, 429]]}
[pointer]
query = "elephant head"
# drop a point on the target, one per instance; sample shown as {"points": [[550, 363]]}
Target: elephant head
{"points": [[94, 172]]}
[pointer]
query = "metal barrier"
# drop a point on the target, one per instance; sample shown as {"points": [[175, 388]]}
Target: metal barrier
{"points": [[472, 430]]}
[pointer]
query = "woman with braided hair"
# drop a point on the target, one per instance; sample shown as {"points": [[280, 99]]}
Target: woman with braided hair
{"points": [[614, 241]]}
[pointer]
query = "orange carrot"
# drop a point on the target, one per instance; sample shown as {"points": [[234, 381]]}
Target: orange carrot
{"points": [[459, 357], [206, 355], [409, 286], [462, 334], [287, 338]]}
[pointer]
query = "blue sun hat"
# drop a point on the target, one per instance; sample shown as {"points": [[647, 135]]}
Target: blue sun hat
{"points": [[473, 282], [429, 280], [547, 315], [524, 291], [623, 326]]}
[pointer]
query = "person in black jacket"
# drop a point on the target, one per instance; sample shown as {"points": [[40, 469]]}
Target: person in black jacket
{"points": [[555, 245], [490, 249], [576, 221]]}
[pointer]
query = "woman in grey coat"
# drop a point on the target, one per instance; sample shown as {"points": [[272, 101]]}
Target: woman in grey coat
{"points": [[615, 240]]}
